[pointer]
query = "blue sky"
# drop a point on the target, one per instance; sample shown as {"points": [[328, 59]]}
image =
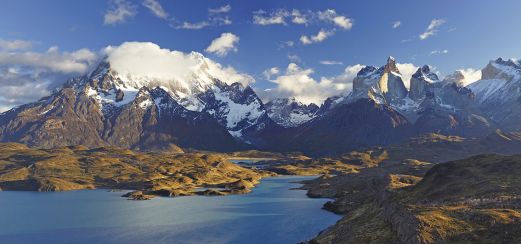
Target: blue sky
{"points": [[466, 33]]}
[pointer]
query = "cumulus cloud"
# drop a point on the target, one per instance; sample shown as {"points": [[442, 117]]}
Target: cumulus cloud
{"points": [[396, 24], [330, 62], [321, 36], [146, 59], [344, 81], [23, 84], [14, 44], [299, 83], [223, 44], [52, 60], [471, 76], [119, 11], [271, 72], [155, 7], [277, 17], [26, 76], [407, 70], [432, 29], [435, 52], [299, 18], [338, 20]]}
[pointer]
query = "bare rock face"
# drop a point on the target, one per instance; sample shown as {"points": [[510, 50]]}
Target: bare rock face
{"points": [[101, 109], [422, 82], [390, 84], [384, 84], [66, 118]]}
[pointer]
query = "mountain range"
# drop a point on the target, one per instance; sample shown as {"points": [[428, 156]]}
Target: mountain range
{"points": [[200, 111]]}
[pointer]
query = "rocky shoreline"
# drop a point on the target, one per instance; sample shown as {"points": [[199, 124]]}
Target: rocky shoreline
{"points": [[410, 204]]}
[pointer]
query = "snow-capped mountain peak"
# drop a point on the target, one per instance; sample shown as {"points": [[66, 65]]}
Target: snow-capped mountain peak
{"points": [[200, 85], [289, 112], [502, 69], [425, 73], [497, 93]]}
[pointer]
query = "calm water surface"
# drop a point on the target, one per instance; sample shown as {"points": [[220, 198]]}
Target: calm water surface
{"points": [[272, 213]]}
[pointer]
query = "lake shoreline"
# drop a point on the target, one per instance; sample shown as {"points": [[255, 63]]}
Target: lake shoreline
{"points": [[280, 190]]}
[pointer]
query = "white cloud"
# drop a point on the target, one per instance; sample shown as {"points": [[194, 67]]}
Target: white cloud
{"points": [[223, 9], [216, 17], [444, 51], [146, 59], [18, 94], [297, 82], [407, 70], [222, 45], [432, 29], [271, 72], [52, 60], [193, 26], [26, 76], [396, 24], [15, 44], [119, 11], [321, 36], [471, 76], [277, 17], [155, 7], [330, 62], [338, 20], [299, 18], [344, 81]]}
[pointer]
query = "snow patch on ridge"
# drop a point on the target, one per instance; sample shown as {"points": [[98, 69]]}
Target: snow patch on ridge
{"points": [[236, 112]]}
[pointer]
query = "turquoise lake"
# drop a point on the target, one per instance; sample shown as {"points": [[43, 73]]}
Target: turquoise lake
{"points": [[272, 213]]}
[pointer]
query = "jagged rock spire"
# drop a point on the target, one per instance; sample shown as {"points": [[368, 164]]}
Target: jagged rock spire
{"points": [[390, 66]]}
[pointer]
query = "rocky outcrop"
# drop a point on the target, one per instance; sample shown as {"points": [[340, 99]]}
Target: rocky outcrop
{"points": [[390, 84]]}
